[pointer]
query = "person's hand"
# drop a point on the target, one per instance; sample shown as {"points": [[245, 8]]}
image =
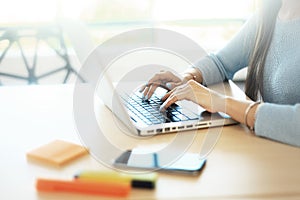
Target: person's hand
{"points": [[165, 79], [197, 93]]}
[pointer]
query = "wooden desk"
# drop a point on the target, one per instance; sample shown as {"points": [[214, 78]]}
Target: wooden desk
{"points": [[241, 166]]}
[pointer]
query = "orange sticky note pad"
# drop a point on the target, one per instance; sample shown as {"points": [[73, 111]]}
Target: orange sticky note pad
{"points": [[56, 153]]}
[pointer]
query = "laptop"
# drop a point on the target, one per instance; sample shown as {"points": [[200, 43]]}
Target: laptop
{"points": [[143, 117]]}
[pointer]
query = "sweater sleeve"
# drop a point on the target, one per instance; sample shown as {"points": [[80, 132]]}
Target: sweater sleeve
{"points": [[279, 122], [233, 57]]}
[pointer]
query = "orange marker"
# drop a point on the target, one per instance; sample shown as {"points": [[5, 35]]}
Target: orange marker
{"points": [[87, 187]]}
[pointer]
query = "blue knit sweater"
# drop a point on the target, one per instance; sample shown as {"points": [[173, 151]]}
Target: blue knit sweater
{"points": [[279, 117]]}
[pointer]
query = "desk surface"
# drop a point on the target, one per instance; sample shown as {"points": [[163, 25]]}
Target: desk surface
{"points": [[240, 166]]}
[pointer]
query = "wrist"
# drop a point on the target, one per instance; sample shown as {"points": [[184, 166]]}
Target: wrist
{"points": [[192, 74], [235, 108], [250, 115], [188, 76]]}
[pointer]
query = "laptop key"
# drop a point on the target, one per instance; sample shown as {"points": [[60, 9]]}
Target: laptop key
{"points": [[138, 114], [139, 119]]}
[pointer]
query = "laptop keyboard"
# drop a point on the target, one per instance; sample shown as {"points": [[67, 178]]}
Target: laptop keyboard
{"points": [[148, 110]]}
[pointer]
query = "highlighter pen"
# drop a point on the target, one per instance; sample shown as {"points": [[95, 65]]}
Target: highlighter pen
{"points": [[87, 187], [136, 181]]}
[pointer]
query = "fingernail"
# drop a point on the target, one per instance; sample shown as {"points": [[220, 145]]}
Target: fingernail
{"points": [[162, 108], [168, 85], [146, 97]]}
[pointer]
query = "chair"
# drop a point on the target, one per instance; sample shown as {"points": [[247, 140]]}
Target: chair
{"points": [[52, 36]]}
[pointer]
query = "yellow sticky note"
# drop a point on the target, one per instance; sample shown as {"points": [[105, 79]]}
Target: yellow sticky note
{"points": [[56, 153]]}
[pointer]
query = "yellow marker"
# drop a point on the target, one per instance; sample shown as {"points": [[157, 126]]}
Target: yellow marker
{"points": [[136, 181]]}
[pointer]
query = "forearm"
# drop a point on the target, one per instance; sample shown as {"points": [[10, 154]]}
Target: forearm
{"points": [[267, 118], [241, 110]]}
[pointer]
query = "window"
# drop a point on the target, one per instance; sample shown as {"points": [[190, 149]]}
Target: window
{"points": [[211, 23]]}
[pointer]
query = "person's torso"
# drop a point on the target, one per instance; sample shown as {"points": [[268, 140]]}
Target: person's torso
{"points": [[282, 66]]}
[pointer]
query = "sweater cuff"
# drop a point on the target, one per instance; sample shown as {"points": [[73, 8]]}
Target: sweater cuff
{"points": [[277, 122], [210, 72]]}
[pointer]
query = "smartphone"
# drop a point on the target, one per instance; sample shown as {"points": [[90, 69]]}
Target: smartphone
{"points": [[189, 163]]}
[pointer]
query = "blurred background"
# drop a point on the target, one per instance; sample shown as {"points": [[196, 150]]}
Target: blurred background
{"points": [[35, 48]]}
